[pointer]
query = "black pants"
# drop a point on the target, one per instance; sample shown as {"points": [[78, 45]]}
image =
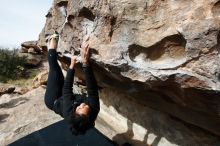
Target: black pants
{"points": [[55, 80]]}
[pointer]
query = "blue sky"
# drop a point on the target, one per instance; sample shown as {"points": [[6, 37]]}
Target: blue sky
{"points": [[22, 20]]}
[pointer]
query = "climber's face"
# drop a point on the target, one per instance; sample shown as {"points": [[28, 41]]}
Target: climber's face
{"points": [[82, 109]]}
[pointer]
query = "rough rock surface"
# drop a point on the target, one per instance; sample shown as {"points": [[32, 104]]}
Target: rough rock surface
{"points": [[21, 90], [32, 52], [31, 46], [9, 89], [5, 88], [40, 79], [141, 125], [32, 60], [24, 114], [162, 53]]}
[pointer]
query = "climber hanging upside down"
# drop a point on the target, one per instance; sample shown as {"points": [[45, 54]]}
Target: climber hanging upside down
{"points": [[79, 112]]}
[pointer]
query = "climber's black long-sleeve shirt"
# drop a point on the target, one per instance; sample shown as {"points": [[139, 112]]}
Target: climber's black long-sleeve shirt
{"points": [[64, 106]]}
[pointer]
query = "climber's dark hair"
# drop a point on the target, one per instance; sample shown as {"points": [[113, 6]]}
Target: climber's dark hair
{"points": [[80, 124]]}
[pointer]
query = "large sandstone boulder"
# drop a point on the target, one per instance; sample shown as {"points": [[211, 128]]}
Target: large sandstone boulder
{"points": [[32, 60], [163, 54], [33, 53], [31, 46]]}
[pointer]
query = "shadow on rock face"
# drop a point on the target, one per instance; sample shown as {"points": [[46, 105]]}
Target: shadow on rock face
{"points": [[168, 51], [58, 134], [3, 117], [85, 12], [13, 103], [130, 133], [216, 9], [160, 128]]}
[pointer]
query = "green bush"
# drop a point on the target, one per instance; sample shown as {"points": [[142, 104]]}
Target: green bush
{"points": [[11, 65]]}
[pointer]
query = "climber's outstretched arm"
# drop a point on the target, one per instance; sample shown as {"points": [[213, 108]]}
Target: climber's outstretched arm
{"points": [[68, 88], [92, 88]]}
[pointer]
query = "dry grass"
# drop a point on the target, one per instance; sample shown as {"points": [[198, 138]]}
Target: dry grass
{"points": [[25, 81], [13, 69]]}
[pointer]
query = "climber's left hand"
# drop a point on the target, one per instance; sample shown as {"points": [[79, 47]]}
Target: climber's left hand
{"points": [[84, 51]]}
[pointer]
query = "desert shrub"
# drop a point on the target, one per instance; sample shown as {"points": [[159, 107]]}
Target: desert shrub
{"points": [[11, 65]]}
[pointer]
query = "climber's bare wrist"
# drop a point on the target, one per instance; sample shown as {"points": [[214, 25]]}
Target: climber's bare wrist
{"points": [[73, 62], [85, 63], [72, 66]]}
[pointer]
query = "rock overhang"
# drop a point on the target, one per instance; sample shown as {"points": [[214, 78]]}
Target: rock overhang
{"points": [[163, 53]]}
